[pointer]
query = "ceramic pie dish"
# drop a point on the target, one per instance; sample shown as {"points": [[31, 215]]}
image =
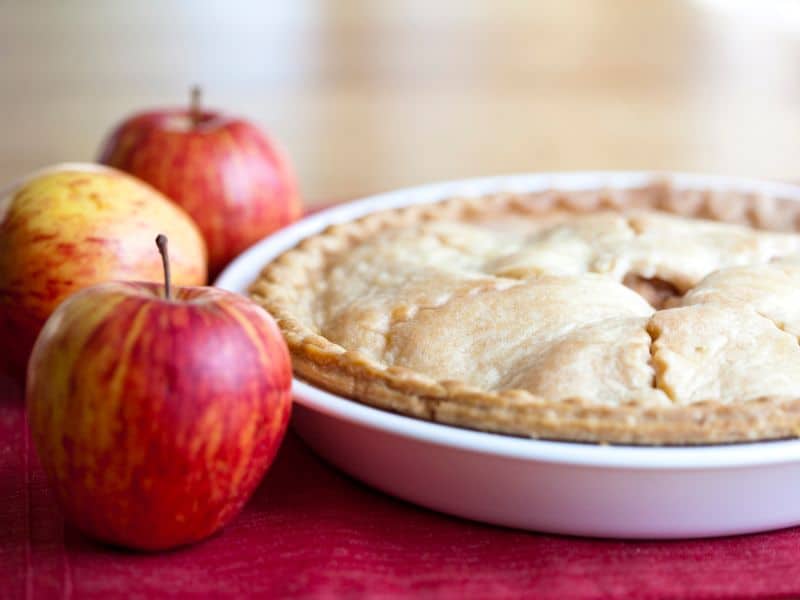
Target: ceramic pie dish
{"points": [[562, 486]]}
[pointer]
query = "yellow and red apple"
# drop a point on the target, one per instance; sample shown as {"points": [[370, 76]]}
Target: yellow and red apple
{"points": [[73, 225], [156, 414], [229, 176]]}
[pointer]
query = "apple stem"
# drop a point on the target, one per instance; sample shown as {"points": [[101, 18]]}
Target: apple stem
{"points": [[194, 110], [161, 242]]}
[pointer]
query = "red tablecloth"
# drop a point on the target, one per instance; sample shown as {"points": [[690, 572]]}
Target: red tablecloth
{"points": [[312, 532]]}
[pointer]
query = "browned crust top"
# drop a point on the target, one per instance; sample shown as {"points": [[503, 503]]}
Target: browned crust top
{"points": [[353, 375]]}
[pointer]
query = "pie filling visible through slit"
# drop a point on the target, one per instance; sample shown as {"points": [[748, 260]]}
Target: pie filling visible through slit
{"points": [[645, 316]]}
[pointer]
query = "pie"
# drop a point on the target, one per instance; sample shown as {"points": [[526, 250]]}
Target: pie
{"points": [[652, 315]]}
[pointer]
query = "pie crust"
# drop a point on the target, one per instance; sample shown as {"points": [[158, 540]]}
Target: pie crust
{"points": [[716, 325]]}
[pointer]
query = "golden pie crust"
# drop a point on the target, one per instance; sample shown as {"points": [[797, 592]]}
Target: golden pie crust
{"points": [[652, 315]]}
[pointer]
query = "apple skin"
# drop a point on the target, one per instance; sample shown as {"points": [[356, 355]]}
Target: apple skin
{"points": [[230, 178], [156, 419], [73, 225]]}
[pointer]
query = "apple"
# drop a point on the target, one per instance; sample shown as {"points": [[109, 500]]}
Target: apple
{"points": [[228, 175], [156, 412], [73, 225]]}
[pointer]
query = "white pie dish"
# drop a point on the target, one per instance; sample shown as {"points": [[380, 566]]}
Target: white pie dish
{"points": [[560, 487]]}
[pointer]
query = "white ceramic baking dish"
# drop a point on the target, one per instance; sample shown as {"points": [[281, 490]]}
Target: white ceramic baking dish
{"points": [[561, 487]]}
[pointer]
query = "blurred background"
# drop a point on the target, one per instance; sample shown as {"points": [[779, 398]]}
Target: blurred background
{"points": [[370, 95]]}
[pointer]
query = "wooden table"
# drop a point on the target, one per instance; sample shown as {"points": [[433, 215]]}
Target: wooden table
{"points": [[368, 96]]}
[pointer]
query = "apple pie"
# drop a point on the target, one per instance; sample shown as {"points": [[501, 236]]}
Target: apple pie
{"points": [[652, 315]]}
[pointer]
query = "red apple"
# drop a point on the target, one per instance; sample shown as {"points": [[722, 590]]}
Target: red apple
{"points": [[227, 174], [155, 413], [73, 225]]}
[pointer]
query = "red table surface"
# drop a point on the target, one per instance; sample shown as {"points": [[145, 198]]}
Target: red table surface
{"points": [[312, 532]]}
